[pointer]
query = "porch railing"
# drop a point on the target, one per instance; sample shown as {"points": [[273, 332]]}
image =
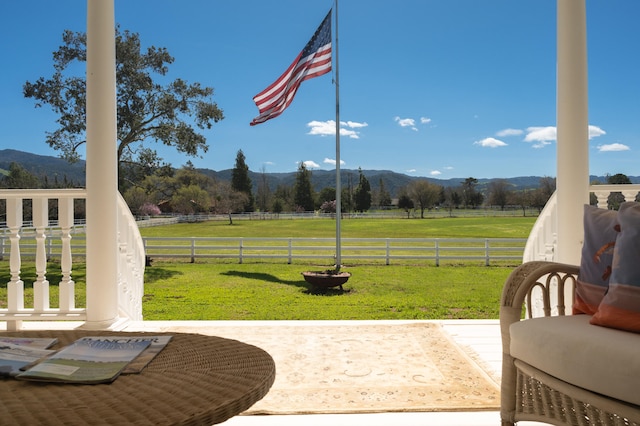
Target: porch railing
{"points": [[52, 214], [542, 241]]}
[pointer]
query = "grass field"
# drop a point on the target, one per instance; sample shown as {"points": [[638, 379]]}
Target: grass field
{"points": [[474, 227], [225, 290]]}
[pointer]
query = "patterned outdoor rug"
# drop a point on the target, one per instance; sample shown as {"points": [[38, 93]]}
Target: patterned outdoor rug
{"points": [[365, 369]]}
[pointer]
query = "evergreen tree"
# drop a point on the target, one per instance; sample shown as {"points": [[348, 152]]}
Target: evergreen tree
{"points": [[363, 193], [263, 195], [241, 182], [303, 191], [384, 198]]}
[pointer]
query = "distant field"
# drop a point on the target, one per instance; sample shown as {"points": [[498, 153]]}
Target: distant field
{"points": [[465, 227]]}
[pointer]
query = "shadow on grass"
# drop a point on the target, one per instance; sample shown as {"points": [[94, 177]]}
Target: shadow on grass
{"points": [[298, 283], [156, 274]]}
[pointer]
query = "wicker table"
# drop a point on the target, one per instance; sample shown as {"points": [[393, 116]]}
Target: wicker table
{"points": [[195, 380]]}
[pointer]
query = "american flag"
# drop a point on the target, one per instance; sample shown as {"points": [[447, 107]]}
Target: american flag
{"points": [[313, 61]]}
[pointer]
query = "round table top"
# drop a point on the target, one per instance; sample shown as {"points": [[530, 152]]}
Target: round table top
{"points": [[194, 380]]}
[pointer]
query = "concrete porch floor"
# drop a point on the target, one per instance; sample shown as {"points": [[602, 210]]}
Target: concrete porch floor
{"points": [[482, 336]]}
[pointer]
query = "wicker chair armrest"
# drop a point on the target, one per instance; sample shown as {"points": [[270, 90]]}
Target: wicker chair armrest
{"points": [[515, 293]]}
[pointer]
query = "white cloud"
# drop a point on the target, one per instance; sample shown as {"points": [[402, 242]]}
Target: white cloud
{"points": [[490, 143], [613, 147], [269, 163], [406, 122], [435, 172], [328, 128], [310, 164], [595, 131], [509, 132], [332, 161], [411, 171], [425, 120], [352, 124], [543, 136]]}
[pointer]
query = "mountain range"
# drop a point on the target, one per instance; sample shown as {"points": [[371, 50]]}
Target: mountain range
{"points": [[56, 168]]}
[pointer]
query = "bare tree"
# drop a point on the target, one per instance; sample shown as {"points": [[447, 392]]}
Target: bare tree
{"points": [[499, 193], [228, 201], [424, 194]]}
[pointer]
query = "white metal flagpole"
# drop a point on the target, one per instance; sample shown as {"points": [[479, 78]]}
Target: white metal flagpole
{"points": [[338, 189]]}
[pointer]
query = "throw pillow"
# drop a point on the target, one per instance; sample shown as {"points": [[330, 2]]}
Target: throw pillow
{"points": [[620, 307], [600, 232]]}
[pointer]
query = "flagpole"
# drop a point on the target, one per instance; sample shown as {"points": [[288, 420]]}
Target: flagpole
{"points": [[338, 189]]}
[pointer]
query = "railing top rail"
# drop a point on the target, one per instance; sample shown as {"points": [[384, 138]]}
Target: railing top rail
{"points": [[46, 193], [616, 187]]}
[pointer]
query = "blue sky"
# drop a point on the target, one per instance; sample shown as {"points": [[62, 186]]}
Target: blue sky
{"points": [[436, 88]]}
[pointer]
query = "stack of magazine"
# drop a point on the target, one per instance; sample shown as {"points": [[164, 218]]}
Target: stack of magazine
{"points": [[89, 360]]}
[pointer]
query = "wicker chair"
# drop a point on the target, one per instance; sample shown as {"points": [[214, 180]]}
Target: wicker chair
{"points": [[531, 394]]}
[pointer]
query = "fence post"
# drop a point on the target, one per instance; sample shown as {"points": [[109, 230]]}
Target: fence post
{"points": [[193, 250], [388, 250], [437, 252], [290, 252], [486, 252], [240, 252]]}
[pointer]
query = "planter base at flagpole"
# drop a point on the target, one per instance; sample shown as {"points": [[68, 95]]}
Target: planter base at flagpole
{"points": [[326, 279]]}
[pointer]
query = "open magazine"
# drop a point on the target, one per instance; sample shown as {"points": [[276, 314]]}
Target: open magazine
{"points": [[89, 360], [14, 357]]}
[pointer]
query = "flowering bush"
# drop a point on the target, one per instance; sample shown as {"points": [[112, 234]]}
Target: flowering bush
{"points": [[148, 209], [328, 207]]}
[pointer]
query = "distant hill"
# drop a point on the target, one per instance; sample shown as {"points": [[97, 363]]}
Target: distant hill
{"points": [[43, 165], [57, 168]]}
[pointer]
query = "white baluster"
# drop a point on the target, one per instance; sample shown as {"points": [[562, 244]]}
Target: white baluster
{"points": [[41, 285], [603, 199], [15, 287], [66, 286], [630, 195]]}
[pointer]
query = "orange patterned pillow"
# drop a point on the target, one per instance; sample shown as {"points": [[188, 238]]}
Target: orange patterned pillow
{"points": [[620, 307], [600, 232]]}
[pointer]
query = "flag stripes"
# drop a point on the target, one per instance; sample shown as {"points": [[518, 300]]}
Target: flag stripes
{"points": [[313, 61]]}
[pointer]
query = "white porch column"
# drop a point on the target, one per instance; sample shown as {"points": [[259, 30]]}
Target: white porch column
{"points": [[573, 128], [102, 167]]}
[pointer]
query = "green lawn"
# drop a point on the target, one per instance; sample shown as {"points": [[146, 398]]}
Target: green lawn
{"points": [[205, 291]]}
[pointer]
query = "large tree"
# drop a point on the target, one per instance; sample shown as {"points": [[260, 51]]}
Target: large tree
{"points": [[470, 196], [384, 198], [499, 193], [303, 196], [148, 110], [363, 193], [241, 182], [424, 194]]}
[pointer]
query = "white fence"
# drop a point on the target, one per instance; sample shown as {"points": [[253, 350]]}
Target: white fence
{"points": [[377, 250]]}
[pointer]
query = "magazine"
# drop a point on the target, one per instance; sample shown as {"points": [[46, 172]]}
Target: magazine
{"points": [[157, 344], [32, 342], [15, 357], [88, 360]]}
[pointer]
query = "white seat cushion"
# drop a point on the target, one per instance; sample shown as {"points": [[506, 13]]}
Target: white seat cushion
{"points": [[602, 360]]}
